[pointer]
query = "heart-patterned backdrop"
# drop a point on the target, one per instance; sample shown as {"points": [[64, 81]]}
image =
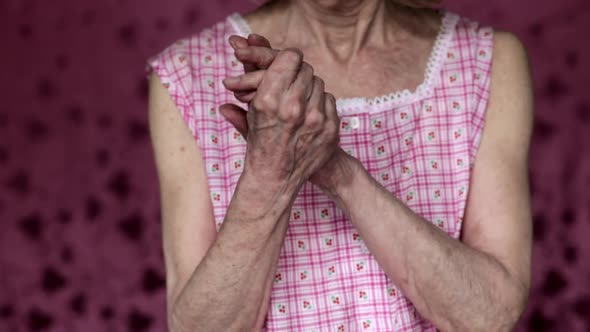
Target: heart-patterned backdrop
{"points": [[80, 239]]}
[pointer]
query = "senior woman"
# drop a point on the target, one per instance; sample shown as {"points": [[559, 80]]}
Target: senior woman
{"points": [[318, 170]]}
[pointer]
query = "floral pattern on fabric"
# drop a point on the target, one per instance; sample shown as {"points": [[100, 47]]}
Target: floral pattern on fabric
{"points": [[419, 145]]}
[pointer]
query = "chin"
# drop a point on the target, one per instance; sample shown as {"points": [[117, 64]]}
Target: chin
{"points": [[338, 5]]}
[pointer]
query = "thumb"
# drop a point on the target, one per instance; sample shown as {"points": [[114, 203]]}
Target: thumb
{"points": [[236, 116], [258, 40]]}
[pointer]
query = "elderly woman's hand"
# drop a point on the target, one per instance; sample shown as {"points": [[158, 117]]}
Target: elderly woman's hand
{"points": [[258, 59], [292, 125]]}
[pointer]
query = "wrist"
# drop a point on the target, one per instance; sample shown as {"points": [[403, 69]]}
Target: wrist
{"points": [[262, 183], [257, 198], [337, 178]]}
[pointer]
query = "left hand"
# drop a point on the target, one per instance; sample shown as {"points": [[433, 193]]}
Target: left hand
{"points": [[256, 55]]}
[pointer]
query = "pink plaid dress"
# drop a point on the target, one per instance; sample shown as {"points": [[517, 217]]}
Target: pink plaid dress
{"points": [[419, 145]]}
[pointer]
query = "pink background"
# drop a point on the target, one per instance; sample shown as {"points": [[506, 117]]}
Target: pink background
{"points": [[79, 204]]}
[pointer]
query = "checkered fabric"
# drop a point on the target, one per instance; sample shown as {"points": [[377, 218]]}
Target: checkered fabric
{"points": [[420, 145]]}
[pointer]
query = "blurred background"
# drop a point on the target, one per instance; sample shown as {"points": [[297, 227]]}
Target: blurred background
{"points": [[80, 241]]}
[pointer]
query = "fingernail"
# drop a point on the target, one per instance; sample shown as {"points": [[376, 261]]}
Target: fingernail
{"points": [[230, 80], [233, 44]]}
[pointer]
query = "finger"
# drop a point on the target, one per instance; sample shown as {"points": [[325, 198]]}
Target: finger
{"points": [[237, 41], [258, 40], [281, 73], [247, 81], [316, 99], [245, 96], [260, 57], [236, 116], [244, 86], [315, 112], [255, 40], [330, 110], [303, 85]]}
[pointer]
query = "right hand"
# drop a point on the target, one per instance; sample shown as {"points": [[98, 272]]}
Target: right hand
{"points": [[292, 124]]}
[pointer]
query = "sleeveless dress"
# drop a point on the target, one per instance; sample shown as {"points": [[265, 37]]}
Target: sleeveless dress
{"points": [[420, 145]]}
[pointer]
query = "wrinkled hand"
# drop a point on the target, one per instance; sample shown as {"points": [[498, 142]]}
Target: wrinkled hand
{"points": [[258, 58], [291, 125]]}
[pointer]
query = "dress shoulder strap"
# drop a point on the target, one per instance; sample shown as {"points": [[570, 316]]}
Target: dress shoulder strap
{"points": [[472, 49]]}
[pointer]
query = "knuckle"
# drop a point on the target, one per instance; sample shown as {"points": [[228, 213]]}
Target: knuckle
{"points": [[316, 119], [306, 67], [292, 54], [242, 79], [268, 55], [264, 101], [319, 82], [330, 102], [292, 112], [330, 97]]}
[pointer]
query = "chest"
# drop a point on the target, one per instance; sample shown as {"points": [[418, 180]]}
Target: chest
{"points": [[373, 73]]}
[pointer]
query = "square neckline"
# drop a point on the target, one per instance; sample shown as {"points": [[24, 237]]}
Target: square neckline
{"points": [[394, 98]]}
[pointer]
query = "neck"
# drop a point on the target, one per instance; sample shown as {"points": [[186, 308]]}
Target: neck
{"points": [[340, 27]]}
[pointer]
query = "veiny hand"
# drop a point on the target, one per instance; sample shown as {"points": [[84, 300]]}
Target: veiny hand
{"points": [[291, 124], [257, 56]]}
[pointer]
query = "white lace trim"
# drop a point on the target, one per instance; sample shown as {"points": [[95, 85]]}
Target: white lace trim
{"points": [[396, 98], [239, 24]]}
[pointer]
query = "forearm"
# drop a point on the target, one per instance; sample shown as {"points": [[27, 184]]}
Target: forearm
{"points": [[239, 265], [453, 285]]}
